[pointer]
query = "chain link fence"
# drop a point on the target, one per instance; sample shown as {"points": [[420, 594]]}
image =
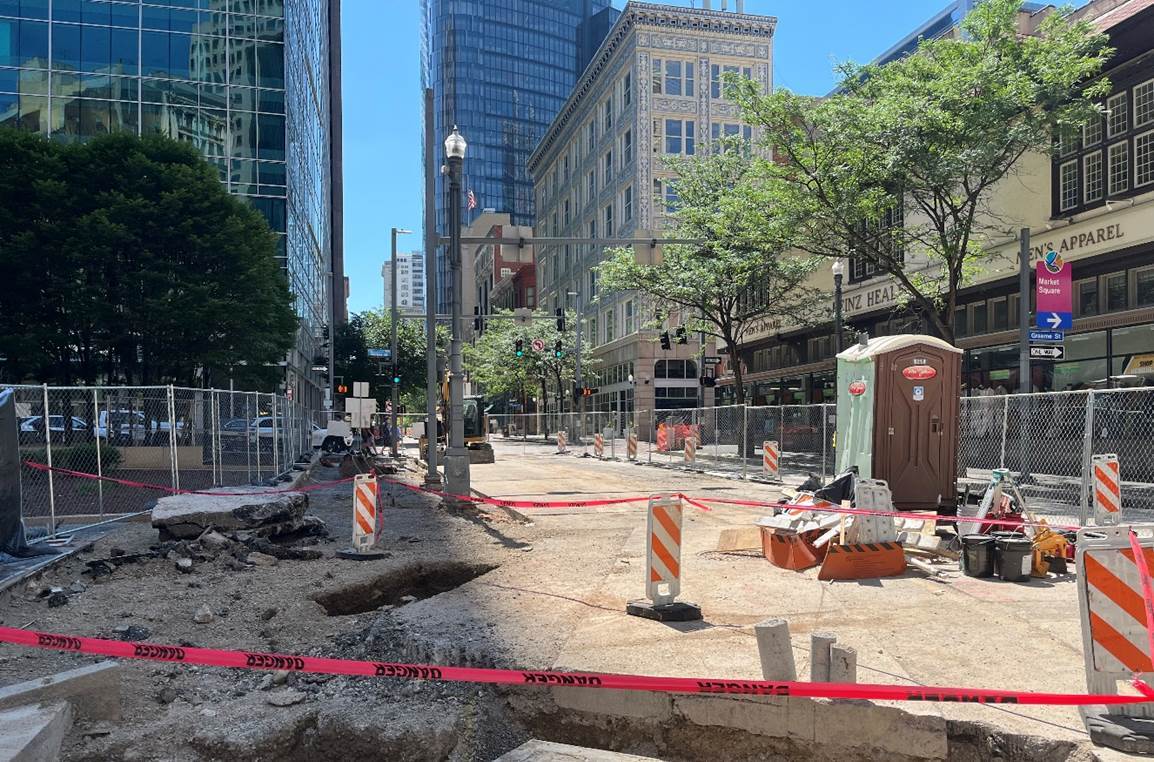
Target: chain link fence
{"points": [[161, 436]]}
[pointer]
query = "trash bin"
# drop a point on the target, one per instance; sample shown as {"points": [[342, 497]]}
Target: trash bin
{"points": [[1015, 558], [978, 555]]}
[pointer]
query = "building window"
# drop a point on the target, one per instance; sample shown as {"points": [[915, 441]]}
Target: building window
{"points": [[591, 189], [1068, 186], [657, 78], [565, 169], [628, 317], [566, 213], [1144, 287], [1092, 177], [608, 167], [626, 90], [1144, 159], [627, 147], [672, 77], [718, 131], [608, 115], [716, 72], [591, 136], [1114, 287], [679, 136], [609, 221], [1067, 140], [1087, 291], [627, 204], [1092, 132], [593, 331], [610, 325], [672, 200], [592, 285], [1119, 160], [1144, 103], [1118, 115]]}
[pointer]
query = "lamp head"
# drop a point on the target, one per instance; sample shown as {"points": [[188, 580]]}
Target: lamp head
{"points": [[838, 268], [455, 145]]}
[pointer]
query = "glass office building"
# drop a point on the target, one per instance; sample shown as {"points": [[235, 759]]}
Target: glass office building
{"points": [[245, 81], [500, 70]]}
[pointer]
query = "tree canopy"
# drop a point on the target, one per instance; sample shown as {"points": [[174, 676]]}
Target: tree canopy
{"points": [[898, 166], [738, 278], [372, 329], [134, 265]]}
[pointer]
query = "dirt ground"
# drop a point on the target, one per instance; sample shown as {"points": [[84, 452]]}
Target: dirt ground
{"points": [[537, 589]]}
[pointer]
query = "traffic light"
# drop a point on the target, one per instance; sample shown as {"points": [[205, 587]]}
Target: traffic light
{"points": [[682, 336], [342, 389], [708, 381], [519, 347], [665, 340], [557, 351], [560, 319], [478, 324], [395, 375]]}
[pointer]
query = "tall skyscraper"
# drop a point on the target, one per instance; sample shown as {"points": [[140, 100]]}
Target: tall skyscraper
{"points": [[500, 71], [253, 84], [410, 284]]}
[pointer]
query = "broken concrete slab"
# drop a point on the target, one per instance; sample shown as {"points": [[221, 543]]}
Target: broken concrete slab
{"points": [[92, 690], [34, 732], [641, 704], [234, 508], [547, 751]]}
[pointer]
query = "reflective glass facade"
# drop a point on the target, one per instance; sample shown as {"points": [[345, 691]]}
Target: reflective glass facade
{"points": [[500, 70], [245, 81]]}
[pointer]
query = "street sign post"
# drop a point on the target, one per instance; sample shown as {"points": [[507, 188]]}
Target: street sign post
{"points": [[1047, 336], [538, 345], [1048, 352], [380, 354], [1054, 290], [523, 316]]}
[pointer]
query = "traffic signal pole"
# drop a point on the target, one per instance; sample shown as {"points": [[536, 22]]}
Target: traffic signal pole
{"points": [[577, 373], [432, 475]]}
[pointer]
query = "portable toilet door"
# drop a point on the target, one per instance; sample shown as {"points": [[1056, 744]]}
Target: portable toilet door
{"points": [[915, 409]]}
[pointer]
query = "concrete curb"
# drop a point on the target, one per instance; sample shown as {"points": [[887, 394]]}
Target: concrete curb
{"points": [[92, 690], [34, 733]]}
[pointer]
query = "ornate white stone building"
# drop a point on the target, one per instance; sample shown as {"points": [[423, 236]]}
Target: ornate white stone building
{"points": [[653, 89]]}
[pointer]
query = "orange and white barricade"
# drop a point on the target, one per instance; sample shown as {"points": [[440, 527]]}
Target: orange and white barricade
{"points": [[365, 515], [662, 438], [690, 450], [663, 564], [1107, 489], [562, 445], [1116, 642], [771, 459], [631, 444], [599, 445]]}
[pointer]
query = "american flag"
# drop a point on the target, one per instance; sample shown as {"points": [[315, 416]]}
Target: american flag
{"points": [[472, 203]]}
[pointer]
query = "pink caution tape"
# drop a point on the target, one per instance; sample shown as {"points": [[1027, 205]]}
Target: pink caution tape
{"points": [[175, 491], [213, 657], [1147, 590]]}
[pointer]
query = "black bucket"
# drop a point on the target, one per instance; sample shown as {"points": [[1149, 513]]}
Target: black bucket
{"points": [[1015, 558], [1000, 535], [978, 555]]}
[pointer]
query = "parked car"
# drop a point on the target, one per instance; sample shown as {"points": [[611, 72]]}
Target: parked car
{"points": [[32, 429], [336, 437], [127, 427]]}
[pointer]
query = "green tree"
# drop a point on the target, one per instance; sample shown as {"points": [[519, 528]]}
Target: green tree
{"points": [[370, 329], [900, 163], [738, 277], [491, 361], [141, 267]]}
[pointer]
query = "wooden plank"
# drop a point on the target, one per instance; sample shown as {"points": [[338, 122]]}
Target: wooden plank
{"points": [[740, 538]]}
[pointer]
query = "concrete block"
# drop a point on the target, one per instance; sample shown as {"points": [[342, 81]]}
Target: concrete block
{"points": [[819, 645], [187, 516], [879, 730], [842, 664], [774, 716], [775, 649], [547, 751], [92, 690], [34, 732], [640, 704]]}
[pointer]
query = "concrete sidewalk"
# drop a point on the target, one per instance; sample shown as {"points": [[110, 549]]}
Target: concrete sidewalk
{"points": [[951, 632]]}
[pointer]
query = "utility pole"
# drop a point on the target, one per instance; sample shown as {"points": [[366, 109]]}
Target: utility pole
{"points": [[432, 476], [396, 397], [456, 456]]}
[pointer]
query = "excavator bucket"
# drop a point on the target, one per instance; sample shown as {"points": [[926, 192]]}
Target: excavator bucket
{"points": [[863, 561], [790, 550]]}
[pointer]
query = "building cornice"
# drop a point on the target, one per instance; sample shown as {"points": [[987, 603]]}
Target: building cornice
{"points": [[648, 15]]}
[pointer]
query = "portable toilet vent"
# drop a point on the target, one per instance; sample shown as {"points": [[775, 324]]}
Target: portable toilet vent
{"points": [[897, 417]]}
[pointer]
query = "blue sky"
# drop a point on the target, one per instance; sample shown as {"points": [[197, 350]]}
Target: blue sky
{"points": [[382, 106]]}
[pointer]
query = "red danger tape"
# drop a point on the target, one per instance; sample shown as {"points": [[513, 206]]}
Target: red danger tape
{"points": [[172, 490], [212, 657]]}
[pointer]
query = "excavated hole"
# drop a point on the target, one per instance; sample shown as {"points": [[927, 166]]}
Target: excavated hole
{"points": [[419, 580]]}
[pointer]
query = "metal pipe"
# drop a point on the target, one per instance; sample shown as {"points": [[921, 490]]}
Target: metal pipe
{"points": [[95, 425], [395, 397], [432, 476], [48, 451], [175, 461]]}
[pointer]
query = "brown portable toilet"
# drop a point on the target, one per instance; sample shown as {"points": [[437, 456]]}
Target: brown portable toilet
{"points": [[897, 417]]}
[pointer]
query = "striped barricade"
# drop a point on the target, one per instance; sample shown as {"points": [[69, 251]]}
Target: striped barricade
{"points": [[771, 459], [631, 445], [599, 445], [1107, 489], [663, 565], [662, 438], [562, 444], [690, 450], [365, 531], [1114, 598]]}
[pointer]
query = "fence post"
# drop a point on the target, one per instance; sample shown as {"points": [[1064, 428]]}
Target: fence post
{"points": [[94, 425], [744, 437], [214, 438], [652, 432], [824, 441], [175, 462], [1087, 454], [48, 452], [256, 438], [1005, 428], [275, 440]]}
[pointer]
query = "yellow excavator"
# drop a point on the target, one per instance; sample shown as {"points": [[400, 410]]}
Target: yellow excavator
{"points": [[476, 426]]}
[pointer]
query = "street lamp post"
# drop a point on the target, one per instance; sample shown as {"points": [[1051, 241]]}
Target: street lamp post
{"points": [[838, 271], [578, 381], [456, 456], [393, 340]]}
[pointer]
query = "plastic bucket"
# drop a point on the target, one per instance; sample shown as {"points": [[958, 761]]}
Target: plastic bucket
{"points": [[1000, 535], [978, 555], [1015, 558]]}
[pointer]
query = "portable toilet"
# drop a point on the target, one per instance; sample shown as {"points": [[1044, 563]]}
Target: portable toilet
{"points": [[897, 416]]}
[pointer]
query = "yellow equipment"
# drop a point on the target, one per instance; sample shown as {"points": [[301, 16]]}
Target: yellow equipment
{"points": [[1049, 552]]}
